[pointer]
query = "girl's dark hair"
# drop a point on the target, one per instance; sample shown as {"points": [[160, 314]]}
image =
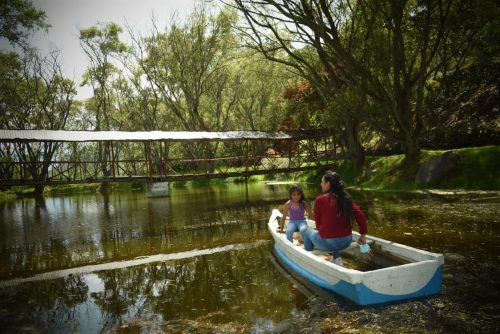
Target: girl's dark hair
{"points": [[344, 201], [299, 189]]}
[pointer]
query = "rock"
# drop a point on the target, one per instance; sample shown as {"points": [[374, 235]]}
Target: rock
{"points": [[436, 169], [453, 257]]}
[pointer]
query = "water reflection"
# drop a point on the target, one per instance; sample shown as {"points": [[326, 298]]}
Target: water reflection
{"points": [[227, 286], [86, 246], [81, 230], [452, 223]]}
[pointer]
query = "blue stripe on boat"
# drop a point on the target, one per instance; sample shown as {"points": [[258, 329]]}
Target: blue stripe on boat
{"points": [[360, 293]]}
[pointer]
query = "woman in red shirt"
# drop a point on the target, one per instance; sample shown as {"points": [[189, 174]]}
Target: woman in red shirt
{"points": [[333, 213]]}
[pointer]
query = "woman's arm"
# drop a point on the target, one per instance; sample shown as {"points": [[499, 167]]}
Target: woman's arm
{"points": [[361, 221], [317, 212]]}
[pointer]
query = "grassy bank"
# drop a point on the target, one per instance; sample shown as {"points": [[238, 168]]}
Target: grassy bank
{"points": [[478, 169], [71, 189]]}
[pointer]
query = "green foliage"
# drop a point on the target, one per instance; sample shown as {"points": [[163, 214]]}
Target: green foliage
{"points": [[106, 38], [33, 94], [196, 75], [347, 171], [382, 61], [258, 86], [18, 18], [179, 184], [101, 44], [86, 188]]}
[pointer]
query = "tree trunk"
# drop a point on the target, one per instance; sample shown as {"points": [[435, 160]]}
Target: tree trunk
{"points": [[411, 149], [104, 187], [355, 151], [103, 159], [39, 188]]}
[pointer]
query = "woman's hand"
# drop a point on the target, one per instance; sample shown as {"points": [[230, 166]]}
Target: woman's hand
{"points": [[362, 239], [279, 229]]}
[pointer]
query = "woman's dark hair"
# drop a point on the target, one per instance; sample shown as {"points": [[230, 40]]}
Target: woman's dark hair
{"points": [[297, 188], [344, 201]]}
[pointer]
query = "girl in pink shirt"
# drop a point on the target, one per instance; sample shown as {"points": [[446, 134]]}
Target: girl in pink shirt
{"points": [[295, 208]]}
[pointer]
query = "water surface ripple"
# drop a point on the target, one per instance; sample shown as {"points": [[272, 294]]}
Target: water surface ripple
{"points": [[202, 261]]}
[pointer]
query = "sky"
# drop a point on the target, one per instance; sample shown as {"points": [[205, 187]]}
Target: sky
{"points": [[67, 17]]}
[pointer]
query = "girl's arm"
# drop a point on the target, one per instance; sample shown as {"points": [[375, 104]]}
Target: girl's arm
{"points": [[283, 218]]}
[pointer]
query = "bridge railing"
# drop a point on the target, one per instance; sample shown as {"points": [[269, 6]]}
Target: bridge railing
{"points": [[80, 161]]}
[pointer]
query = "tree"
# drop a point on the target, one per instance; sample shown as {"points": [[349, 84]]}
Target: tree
{"points": [[33, 92], [19, 18], [35, 95], [188, 67], [385, 49], [462, 97], [282, 40], [259, 86], [100, 44], [186, 61]]}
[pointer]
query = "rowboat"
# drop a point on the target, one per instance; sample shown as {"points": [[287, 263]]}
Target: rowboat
{"points": [[390, 272]]}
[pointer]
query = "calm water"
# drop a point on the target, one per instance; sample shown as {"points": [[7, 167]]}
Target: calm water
{"points": [[201, 261]]}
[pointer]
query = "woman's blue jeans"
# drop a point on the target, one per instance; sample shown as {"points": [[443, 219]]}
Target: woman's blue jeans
{"points": [[313, 239], [294, 226]]}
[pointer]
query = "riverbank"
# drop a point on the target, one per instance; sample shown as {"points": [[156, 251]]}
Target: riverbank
{"points": [[477, 169]]}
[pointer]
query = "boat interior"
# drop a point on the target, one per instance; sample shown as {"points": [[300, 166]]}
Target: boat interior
{"points": [[353, 258]]}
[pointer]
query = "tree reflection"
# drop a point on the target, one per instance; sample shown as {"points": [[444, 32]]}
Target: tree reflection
{"points": [[112, 227], [47, 306], [232, 287], [227, 284], [116, 298], [238, 285]]}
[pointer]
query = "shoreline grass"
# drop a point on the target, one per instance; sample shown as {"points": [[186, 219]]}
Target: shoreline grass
{"points": [[478, 170]]}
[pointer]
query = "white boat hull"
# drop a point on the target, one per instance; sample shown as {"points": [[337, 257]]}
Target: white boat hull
{"points": [[420, 277]]}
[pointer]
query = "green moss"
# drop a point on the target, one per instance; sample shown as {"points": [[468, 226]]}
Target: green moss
{"points": [[70, 189], [388, 173], [477, 170], [20, 191], [347, 171]]}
